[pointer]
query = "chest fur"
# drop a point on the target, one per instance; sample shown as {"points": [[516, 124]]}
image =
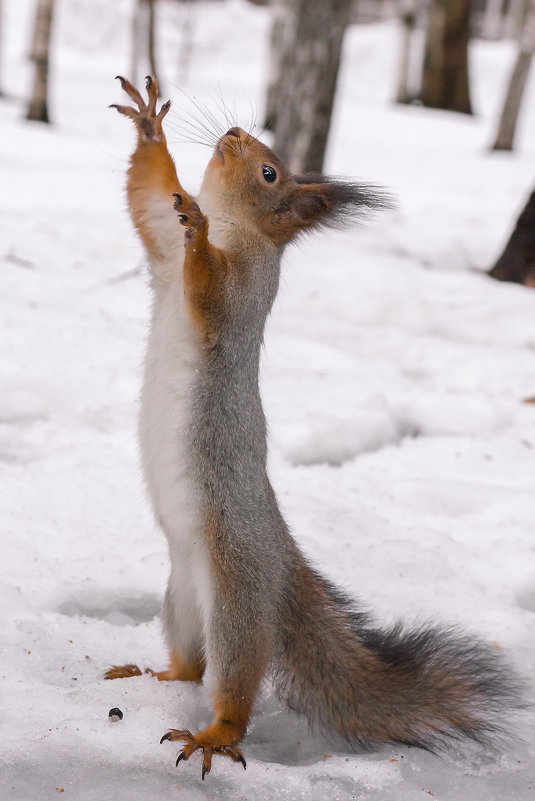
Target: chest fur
{"points": [[171, 370]]}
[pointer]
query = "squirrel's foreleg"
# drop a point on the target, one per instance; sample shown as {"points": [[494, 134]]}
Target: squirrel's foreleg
{"points": [[152, 177], [205, 268]]}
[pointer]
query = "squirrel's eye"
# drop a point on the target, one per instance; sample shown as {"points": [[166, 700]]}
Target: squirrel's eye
{"points": [[269, 173]]}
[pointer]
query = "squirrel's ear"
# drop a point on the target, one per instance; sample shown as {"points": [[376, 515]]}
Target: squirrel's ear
{"points": [[318, 201], [308, 203]]}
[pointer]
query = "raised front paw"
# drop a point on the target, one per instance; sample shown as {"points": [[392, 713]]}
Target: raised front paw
{"points": [[147, 121], [208, 744], [190, 215]]}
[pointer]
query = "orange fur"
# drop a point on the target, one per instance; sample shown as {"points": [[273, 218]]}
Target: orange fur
{"points": [[221, 736], [122, 672], [179, 670], [205, 268], [152, 174]]}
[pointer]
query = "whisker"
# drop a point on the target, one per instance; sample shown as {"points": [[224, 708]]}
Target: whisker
{"points": [[203, 125], [205, 119], [183, 138], [208, 115], [193, 128], [222, 106], [235, 111], [249, 138]]}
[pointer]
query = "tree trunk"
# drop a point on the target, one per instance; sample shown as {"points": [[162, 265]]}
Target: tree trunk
{"points": [[515, 18], [517, 83], [517, 262], [38, 106], [408, 19], [311, 50], [277, 66], [143, 40], [186, 44], [445, 82], [137, 41], [493, 19], [151, 40]]}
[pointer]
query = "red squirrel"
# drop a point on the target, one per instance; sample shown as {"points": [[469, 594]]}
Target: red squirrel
{"points": [[242, 600]]}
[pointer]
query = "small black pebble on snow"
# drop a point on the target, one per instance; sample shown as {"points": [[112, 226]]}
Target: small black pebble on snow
{"points": [[115, 714]]}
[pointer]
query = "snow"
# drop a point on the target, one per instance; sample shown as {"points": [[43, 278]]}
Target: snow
{"points": [[393, 380]]}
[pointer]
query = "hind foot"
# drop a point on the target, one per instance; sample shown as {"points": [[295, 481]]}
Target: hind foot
{"points": [[210, 742]]}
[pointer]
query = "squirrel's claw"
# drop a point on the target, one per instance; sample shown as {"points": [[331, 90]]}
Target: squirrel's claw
{"points": [[190, 216], [177, 734], [147, 121], [151, 85], [132, 92], [235, 754], [191, 745], [163, 111], [126, 111], [206, 762]]}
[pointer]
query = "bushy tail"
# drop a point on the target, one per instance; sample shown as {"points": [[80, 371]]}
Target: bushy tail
{"points": [[419, 687]]}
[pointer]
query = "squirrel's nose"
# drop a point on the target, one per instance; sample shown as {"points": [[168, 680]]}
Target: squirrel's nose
{"points": [[234, 132]]}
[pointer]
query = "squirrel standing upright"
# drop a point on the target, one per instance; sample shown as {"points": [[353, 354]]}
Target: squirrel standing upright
{"points": [[242, 599]]}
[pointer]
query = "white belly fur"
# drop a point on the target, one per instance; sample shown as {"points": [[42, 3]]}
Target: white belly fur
{"points": [[170, 371]]}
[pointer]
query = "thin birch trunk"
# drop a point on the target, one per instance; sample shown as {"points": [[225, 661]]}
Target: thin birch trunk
{"points": [[144, 40], [517, 83], [276, 67], [186, 43], [38, 106], [408, 20], [137, 40], [151, 43]]}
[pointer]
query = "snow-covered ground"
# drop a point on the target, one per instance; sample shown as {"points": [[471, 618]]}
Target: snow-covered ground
{"points": [[393, 381]]}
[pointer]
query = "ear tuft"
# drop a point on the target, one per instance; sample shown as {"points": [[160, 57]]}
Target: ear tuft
{"points": [[315, 201], [346, 202]]}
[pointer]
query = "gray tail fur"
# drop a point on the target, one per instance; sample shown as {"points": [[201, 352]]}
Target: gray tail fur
{"points": [[421, 687]]}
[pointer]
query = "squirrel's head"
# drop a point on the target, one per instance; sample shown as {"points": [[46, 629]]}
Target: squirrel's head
{"points": [[246, 181]]}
